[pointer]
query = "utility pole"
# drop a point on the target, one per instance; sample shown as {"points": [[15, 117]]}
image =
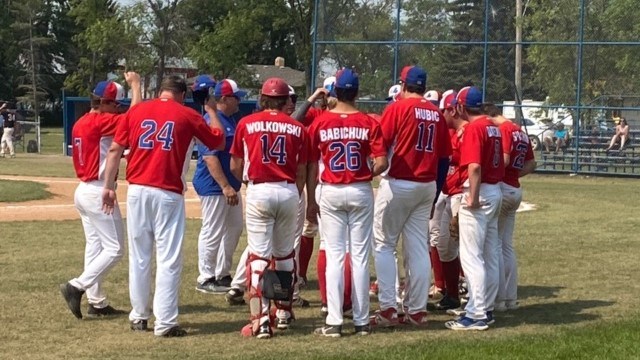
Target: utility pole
{"points": [[518, 67]]}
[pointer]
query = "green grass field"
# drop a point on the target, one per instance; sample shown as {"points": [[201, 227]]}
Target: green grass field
{"points": [[578, 261], [18, 191]]}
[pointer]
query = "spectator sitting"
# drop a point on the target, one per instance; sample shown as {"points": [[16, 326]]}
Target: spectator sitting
{"points": [[622, 134], [560, 137]]}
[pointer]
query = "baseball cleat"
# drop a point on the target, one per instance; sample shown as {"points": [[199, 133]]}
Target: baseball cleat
{"points": [[264, 331], [283, 319], [235, 297], [417, 319], [300, 302], [72, 296], [466, 324], [447, 303], [384, 318], [207, 287], [329, 331], [457, 312], [222, 285], [138, 325], [362, 330], [175, 331], [108, 310], [490, 319]]}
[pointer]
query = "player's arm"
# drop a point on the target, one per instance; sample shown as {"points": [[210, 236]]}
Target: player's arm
{"points": [[300, 114], [215, 169], [212, 136], [475, 177], [380, 164], [313, 210], [133, 79], [528, 168], [237, 166], [301, 177], [113, 162], [215, 122]]}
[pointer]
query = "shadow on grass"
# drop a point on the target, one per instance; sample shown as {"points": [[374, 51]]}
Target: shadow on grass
{"points": [[558, 313], [207, 308], [544, 292]]}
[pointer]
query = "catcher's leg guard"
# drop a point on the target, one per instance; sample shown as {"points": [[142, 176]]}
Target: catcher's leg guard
{"points": [[286, 263], [258, 306]]}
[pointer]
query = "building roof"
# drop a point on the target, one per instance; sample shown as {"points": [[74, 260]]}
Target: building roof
{"points": [[293, 77]]}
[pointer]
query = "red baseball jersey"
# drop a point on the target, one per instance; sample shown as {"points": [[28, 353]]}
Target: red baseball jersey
{"points": [[311, 115], [481, 144], [272, 145], [417, 136], [344, 143], [515, 143], [91, 138], [159, 134], [456, 175]]}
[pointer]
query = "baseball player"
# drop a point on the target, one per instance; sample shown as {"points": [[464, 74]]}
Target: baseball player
{"points": [[273, 146], [343, 139], [519, 161], [8, 127], [433, 96], [481, 156], [394, 91], [446, 207], [159, 135], [417, 134], [235, 295], [91, 137], [220, 198]]}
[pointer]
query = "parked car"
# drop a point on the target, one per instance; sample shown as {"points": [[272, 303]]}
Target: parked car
{"points": [[537, 130]]}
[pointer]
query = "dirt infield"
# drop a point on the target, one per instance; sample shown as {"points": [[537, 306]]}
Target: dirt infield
{"points": [[60, 206]]}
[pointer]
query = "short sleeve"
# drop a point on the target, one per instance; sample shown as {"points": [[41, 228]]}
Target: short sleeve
{"points": [[444, 139], [109, 124], [122, 131], [303, 156], [471, 146], [507, 139], [388, 125], [237, 147], [376, 141], [313, 144]]}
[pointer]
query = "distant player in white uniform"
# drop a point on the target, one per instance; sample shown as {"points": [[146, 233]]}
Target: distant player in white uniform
{"points": [[416, 132], [159, 134], [342, 141], [91, 137], [220, 198], [273, 146]]}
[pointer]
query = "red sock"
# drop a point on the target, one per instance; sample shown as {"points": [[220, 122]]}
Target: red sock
{"points": [[451, 271], [436, 265], [347, 282], [306, 250], [322, 275]]}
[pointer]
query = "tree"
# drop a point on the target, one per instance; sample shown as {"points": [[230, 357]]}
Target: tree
{"points": [[32, 38], [165, 25], [9, 66]]}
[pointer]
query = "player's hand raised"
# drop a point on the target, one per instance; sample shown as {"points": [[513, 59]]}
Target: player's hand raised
{"points": [[109, 201], [132, 77], [231, 195]]}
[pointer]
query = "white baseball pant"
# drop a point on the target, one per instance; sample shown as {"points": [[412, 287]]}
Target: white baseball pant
{"points": [[347, 209], [403, 207], [480, 250], [104, 236], [7, 141], [221, 229], [271, 214], [300, 219], [439, 227], [155, 216], [511, 199]]}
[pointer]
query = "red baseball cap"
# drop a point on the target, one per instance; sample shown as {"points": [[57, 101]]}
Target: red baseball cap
{"points": [[275, 87], [448, 99]]}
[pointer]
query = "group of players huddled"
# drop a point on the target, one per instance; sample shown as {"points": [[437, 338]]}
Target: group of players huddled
{"points": [[448, 164]]}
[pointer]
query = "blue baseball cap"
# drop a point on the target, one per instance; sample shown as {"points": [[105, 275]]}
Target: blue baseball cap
{"points": [[470, 96], [347, 79], [203, 83], [413, 75]]}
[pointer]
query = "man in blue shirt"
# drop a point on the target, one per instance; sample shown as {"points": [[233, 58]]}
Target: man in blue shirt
{"points": [[219, 193]]}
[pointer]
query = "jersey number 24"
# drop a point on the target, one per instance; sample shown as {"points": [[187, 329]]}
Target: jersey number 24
{"points": [[150, 136]]}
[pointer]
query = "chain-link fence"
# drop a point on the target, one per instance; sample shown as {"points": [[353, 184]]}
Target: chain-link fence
{"points": [[564, 69]]}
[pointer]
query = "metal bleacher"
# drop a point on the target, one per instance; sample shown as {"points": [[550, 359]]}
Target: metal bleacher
{"points": [[589, 156]]}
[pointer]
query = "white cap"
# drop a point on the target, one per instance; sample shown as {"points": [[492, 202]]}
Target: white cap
{"points": [[291, 90], [329, 83], [432, 96], [393, 92]]}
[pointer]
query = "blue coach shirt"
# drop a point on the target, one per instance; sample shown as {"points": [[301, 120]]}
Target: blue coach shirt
{"points": [[203, 182]]}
